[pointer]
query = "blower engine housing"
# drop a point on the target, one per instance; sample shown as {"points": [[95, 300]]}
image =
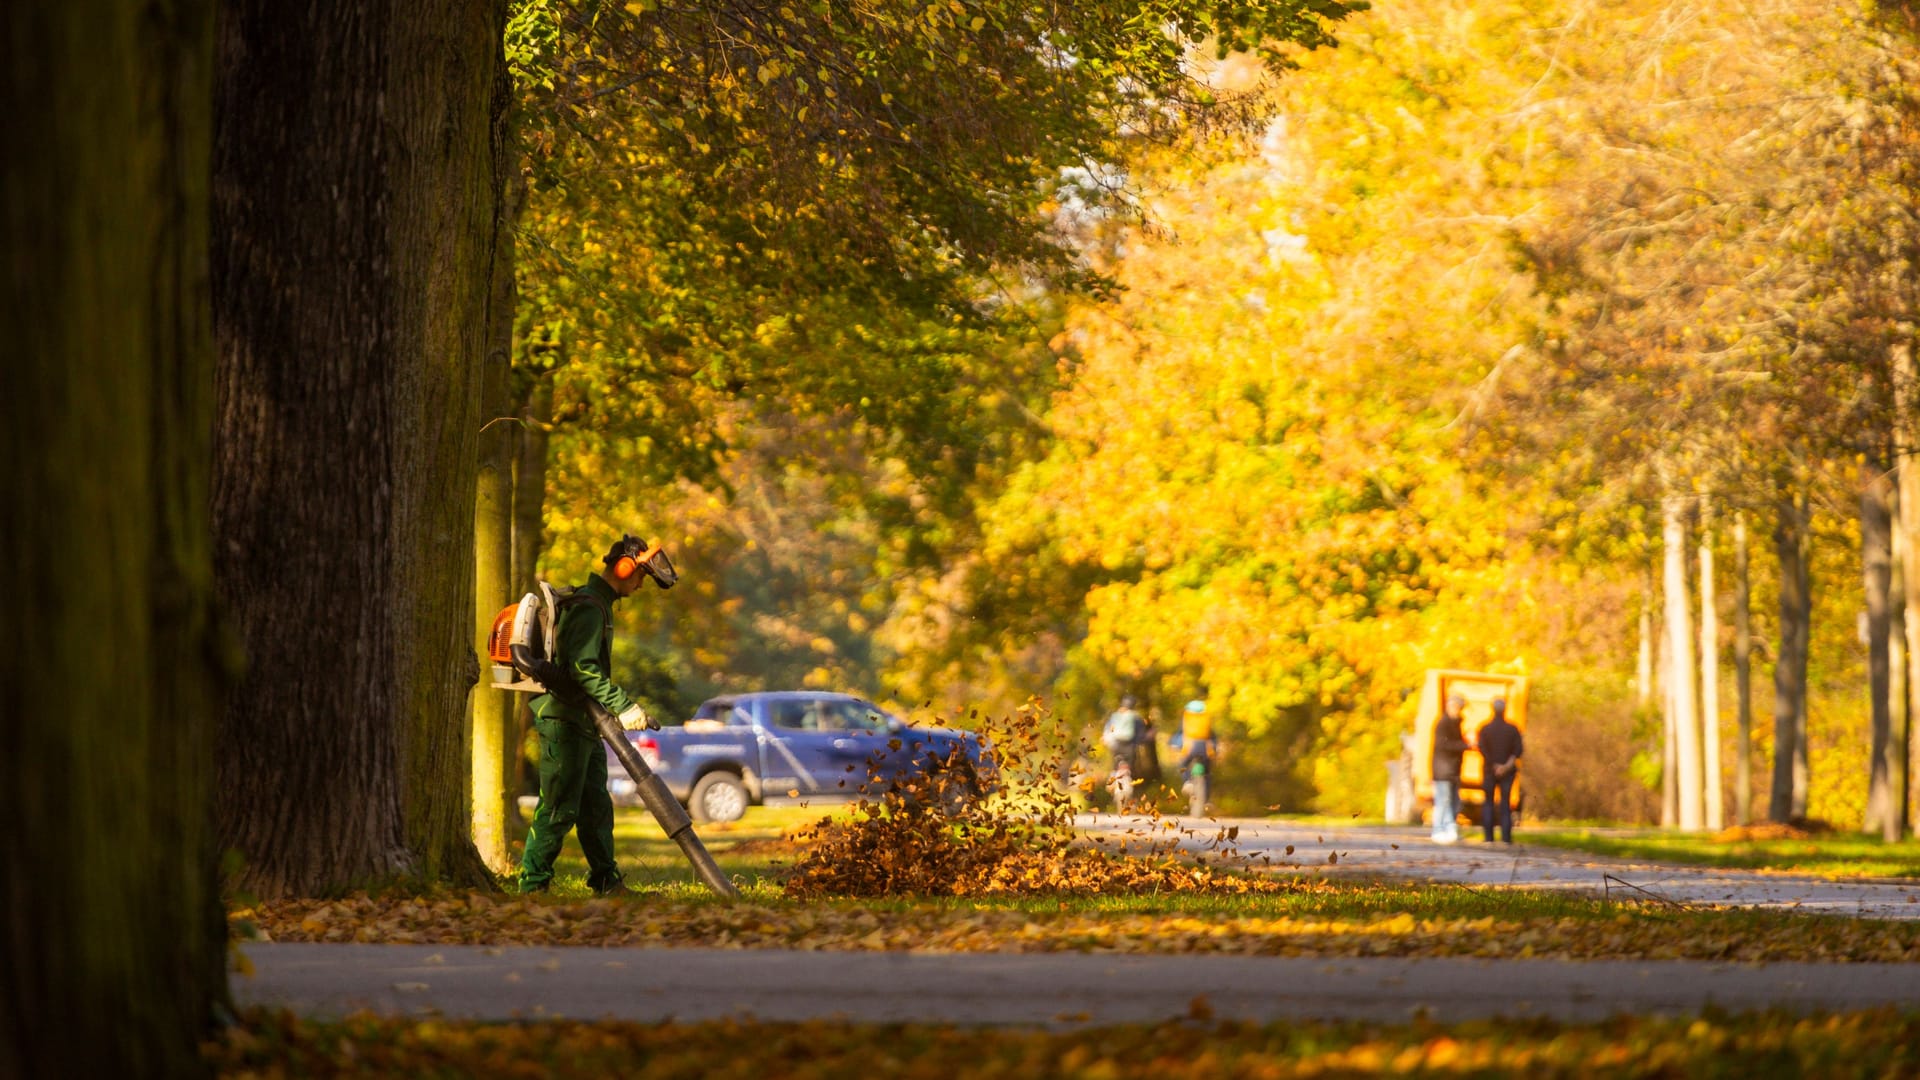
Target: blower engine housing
{"points": [[520, 646]]}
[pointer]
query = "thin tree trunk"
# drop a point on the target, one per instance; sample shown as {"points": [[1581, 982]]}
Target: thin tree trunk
{"points": [[1643, 669], [1876, 561], [530, 483], [1743, 673], [529, 511], [1788, 798], [354, 202], [1710, 677], [1686, 717], [493, 711], [1899, 699], [1901, 748], [112, 962], [1669, 740]]}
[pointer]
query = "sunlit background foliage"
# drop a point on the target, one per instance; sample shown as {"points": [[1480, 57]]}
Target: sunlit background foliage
{"points": [[1270, 378]]}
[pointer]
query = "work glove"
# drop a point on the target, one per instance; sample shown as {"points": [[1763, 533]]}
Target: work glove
{"points": [[635, 718]]}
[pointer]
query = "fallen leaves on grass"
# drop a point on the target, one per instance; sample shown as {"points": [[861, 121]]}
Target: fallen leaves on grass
{"points": [[478, 919], [1872, 1043], [1806, 829]]}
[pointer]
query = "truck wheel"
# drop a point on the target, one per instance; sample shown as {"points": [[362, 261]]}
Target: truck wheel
{"points": [[718, 797]]}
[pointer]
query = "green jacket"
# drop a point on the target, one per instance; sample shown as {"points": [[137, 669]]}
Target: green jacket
{"points": [[583, 643]]}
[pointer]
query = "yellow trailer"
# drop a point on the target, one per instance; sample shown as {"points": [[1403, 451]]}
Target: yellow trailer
{"points": [[1479, 688]]}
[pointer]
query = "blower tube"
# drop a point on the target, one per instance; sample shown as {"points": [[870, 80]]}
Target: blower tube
{"points": [[661, 804]]}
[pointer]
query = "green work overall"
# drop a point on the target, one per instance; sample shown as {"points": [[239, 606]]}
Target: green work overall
{"points": [[573, 763]]}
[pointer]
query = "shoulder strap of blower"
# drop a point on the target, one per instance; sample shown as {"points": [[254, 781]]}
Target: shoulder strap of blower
{"points": [[577, 597]]}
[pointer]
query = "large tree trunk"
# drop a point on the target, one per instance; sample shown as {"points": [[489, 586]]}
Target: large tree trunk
{"points": [[449, 234], [1876, 562], [494, 738], [1710, 678], [353, 233], [113, 959], [1686, 716], [1742, 674], [1788, 799]]}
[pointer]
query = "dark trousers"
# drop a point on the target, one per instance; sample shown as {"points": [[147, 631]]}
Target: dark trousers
{"points": [[1498, 789], [573, 794]]}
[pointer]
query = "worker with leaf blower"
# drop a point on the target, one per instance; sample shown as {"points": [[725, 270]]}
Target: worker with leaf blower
{"points": [[573, 765]]}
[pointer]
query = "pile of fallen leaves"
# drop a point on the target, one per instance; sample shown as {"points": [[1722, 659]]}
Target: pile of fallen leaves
{"points": [[1882, 1042], [1801, 829], [895, 855], [913, 839]]}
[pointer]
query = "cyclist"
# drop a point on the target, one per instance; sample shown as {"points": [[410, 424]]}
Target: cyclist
{"points": [[1196, 756]]}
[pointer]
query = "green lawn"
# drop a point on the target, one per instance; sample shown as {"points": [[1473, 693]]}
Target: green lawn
{"points": [[654, 864], [1838, 855]]}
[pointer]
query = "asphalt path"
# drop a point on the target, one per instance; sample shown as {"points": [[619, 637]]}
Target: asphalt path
{"points": [[1408, 853], [1054, 990]]}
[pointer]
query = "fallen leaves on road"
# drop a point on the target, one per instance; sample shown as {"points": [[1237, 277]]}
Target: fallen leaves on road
{"points": [[1874, 1043]]}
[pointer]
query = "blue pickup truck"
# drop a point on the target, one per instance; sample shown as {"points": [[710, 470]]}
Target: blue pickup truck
{"points": [[797, 745]]}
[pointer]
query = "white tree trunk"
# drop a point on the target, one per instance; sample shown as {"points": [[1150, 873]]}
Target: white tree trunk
{"points": [[1663, 672], [1686, 716], [1710, 677], [1643, 673]]}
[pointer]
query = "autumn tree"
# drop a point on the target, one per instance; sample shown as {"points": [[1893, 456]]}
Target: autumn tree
{"points": [[755, 230], [114, 947]]}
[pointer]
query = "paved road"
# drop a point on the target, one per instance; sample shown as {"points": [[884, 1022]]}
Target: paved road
{"points": [[1406, 852], [1048, 989]]}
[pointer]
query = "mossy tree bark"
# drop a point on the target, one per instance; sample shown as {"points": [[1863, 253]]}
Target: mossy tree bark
{"points": [[354, 234], [113, 956]]}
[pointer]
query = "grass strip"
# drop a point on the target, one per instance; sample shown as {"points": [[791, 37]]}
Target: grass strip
{"points": [[1832, 855], [1748, 1045]]}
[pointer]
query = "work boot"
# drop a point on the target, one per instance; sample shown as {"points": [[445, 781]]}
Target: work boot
{"points": [[614, 887]]}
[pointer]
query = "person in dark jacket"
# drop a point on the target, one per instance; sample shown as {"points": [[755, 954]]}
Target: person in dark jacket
{"points": [[573, 766], [1448, 746], [1500, 750]]}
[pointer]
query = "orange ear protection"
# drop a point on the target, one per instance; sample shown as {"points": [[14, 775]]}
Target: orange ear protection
{"points": [[631, 554], [627, 556]]}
